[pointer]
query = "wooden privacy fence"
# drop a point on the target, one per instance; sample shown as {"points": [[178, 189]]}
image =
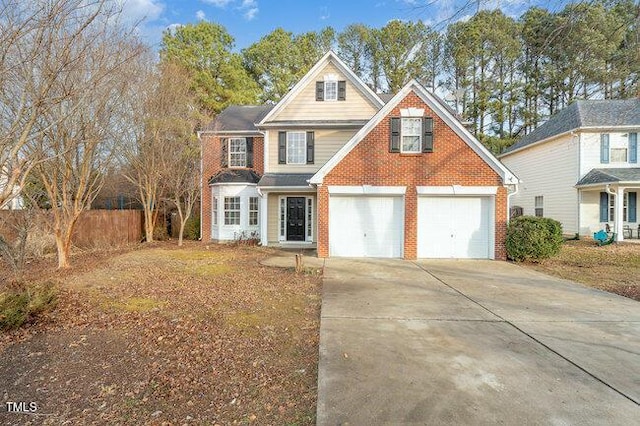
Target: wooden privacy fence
{"points": [[108, 227], [94, 228]]}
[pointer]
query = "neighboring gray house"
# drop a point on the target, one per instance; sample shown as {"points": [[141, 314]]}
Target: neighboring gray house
{"points": [[581, 167]]}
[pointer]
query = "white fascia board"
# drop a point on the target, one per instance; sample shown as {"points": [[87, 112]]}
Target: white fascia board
{"points": [[508, 177], [309, 76], [346, 148], [457, 190], [231, 132], [287, 189], [367, 190], [626, 184], [233, 184]]}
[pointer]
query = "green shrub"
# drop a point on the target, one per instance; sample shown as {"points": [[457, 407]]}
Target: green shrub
{"points": [[192, 228], [25, 303], [533, 238]]}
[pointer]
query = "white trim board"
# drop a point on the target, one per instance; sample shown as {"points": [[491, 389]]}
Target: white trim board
{"points": [[311, 75], [457, 190], [413, 86], [367, 190]]}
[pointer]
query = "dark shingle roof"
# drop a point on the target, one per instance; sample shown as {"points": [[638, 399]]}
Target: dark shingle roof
{"points": [[579, 114], [598, 176], [285, 179], [239, 118], [234, 176]]}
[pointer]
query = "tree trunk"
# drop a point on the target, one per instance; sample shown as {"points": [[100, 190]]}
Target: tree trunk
{"points": [[148, 224], [182, 224], [63, 246]]}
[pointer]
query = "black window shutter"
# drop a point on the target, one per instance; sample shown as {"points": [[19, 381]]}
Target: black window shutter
{"points": [[310, 148], [427, 137], [224, 156], [319, 90], [604, 207], [250, 152], [342, 90], [394, 141], [282, 147]]}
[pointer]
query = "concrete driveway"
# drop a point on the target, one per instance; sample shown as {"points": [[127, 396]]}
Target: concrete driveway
{"points": [[473, 342]]}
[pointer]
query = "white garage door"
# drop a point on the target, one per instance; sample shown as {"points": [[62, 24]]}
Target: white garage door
{"points": [[366, 226], [455, 227]]}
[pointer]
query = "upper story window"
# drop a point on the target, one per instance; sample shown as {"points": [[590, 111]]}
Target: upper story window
{"points": [[618, 148], [411, 134], [237, 152], [295, 147], [331, 89]]}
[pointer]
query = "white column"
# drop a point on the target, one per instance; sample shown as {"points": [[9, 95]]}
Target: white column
{"points": [[619, 214], [264, 202]]}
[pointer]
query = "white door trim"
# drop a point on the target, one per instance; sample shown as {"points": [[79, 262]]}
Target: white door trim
{"points": [[367, 190]]}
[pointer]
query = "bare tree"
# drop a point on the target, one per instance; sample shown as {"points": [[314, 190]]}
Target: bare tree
{"points": [[162, 155], [39, 47], [78, 134]]}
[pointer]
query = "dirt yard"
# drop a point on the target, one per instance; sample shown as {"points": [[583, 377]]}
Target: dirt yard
{"points": [[161, 335], [614, 268]]}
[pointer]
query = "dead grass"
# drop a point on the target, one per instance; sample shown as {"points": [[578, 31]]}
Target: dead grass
{"points": [[614, 268], [167, 335]]}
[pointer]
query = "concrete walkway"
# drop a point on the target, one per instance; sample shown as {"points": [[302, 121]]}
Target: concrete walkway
{"points": [[473, 342]]}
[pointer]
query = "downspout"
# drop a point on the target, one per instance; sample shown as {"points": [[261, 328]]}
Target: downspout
{"points": [[509, 195]]}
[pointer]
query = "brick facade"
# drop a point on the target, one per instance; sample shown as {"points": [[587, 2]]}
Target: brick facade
{"points": [[452, 162], [211, 164]]}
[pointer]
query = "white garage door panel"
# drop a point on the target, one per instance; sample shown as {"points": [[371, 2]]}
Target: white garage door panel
{"points": [[454, 227], [365, 226]]}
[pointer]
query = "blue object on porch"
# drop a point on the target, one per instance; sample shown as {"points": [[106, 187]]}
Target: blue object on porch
{"points": [[600, 236], [604, 239]]}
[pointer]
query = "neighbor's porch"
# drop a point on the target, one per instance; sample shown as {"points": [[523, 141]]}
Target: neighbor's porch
{"points": [[612, 208]]}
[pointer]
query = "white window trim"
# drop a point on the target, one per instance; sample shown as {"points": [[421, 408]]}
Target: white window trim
{"points": [[214, 211], [326, 91], [402, 135], [282, 203], [249, 211], [304, 155], [611, 207], [229, 153], [224, 211]]}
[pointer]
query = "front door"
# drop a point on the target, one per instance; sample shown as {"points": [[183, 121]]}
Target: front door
{"points": [[295, 219]]}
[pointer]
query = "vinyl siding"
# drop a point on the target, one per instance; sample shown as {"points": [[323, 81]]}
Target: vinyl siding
{"points": [[550, 170], [274, 215], [590, 150], [305, 107], [590, 212], [326, 144]]}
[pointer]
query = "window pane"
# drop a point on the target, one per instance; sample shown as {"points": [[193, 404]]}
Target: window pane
{"points": [[253, 211], [411, 126], [232, 210], [411, 144], [214, 213], [296, 148], [237, 152], [330, 90], [618, 155]]}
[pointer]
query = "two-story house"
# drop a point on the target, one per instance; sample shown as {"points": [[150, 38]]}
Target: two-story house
{"points": [[337, 167], [581, 167]]}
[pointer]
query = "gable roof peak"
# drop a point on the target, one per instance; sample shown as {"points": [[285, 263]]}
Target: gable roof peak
{"points": [[329, 56]]}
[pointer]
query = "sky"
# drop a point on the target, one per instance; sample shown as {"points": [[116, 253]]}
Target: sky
{"points": [[249, 20]]}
